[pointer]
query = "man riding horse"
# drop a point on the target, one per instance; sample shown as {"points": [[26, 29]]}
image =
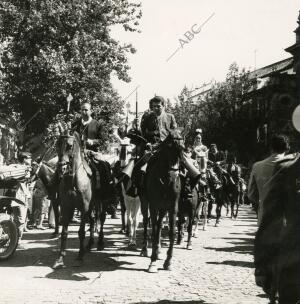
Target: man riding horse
{"points": [[157, 124], [90, 131]]}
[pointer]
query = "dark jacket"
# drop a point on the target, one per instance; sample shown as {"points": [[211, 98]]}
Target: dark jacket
{"points": [[156, 129], [219, 156], [90, 131], [277, 242]]}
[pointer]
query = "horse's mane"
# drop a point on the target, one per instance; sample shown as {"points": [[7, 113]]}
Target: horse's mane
{"points": [[48, 166], [166, 154]]}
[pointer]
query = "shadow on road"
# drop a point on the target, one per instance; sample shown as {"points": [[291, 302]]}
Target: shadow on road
{"points": [[241, 245], [234, 263], [173, 302]]}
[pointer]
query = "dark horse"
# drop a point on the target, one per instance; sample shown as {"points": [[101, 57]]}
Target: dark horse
{"points": [[75, 190], [218, 182], [163, 186], [188, 205]]}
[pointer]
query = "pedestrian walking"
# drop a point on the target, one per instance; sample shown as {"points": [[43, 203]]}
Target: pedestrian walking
{"points": [[41, 204], [277, 244], [263, 171]]}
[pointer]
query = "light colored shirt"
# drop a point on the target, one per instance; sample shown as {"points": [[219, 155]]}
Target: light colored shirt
{"points": [[260, 177], [201, 155], [86, 122], [166, 122]]}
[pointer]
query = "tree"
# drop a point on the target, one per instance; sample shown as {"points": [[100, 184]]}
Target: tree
{"points": [[219, 113], [51, 48]]}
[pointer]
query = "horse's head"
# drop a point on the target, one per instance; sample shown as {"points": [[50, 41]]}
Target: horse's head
{"points": [[66, 149], [174, 141]]}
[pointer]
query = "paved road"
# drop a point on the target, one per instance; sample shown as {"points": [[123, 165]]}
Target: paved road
{"points": [[219, 269]]}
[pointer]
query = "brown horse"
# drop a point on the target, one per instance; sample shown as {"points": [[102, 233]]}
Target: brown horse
{"points": [[163, 186], [75, 190]]}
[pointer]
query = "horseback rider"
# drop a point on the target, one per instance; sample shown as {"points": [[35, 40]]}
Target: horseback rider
{"points": [[157, 123], [91, 134], [216, 156], [200, 151], [89, 129], [235, 172]]}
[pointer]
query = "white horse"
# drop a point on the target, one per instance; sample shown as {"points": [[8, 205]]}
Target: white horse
{"points": [[129, 191]]}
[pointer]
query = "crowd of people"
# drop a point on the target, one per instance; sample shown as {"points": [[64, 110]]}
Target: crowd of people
{"points": [[266, 177], [154, 127]]}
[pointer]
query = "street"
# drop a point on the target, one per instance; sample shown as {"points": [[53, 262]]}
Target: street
{"points": [[219, 269]]}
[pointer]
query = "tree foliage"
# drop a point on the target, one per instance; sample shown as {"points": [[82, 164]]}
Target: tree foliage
{"points": [[219, 112], [51, 48]]}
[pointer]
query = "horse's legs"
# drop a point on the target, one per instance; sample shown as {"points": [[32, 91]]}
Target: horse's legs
{"points": [[232, 203], [226, 201], [92, 231], [100, 245], [144, 210], [180, 229], [128, 204], [205, 207], [154, 238], [219, 204], [132, 209], [201, 204], [197, 214], [123, 211], [59, 263], [190, 229], [210, 206], [172, 220], [81, 234], [161, 216], [135, 218], [55, 205], [238, 199]]}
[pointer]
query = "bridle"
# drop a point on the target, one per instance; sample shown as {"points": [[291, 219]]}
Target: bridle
{"points": [[66, 166]]}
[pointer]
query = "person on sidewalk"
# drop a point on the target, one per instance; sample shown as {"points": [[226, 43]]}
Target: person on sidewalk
{"points": [[40, 204], [263, 171], [277, 243], [22, 193]]}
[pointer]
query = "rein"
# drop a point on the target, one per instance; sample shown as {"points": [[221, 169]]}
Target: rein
{"points": [[35, 174]]}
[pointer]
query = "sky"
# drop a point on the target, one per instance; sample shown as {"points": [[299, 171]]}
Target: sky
{"points": [[248, 32]]}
